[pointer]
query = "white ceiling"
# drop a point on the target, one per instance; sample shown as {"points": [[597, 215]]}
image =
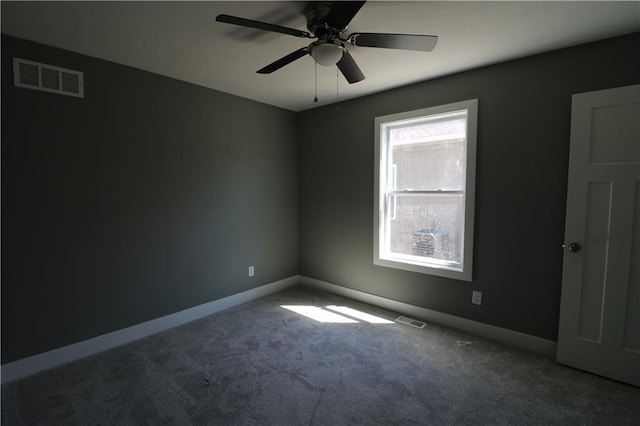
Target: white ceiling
{"points": [[182, 40]]}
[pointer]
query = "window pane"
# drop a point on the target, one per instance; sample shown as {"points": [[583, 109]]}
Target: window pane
{"points": [[427, 226], [424, 190], [430, 129], [429, 165]]}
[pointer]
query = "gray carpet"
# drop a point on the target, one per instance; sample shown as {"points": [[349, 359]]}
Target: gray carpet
{"points": [[260, 364]]}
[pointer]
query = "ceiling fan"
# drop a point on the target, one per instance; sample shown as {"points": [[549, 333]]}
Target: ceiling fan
{"points": [[327, 21]]}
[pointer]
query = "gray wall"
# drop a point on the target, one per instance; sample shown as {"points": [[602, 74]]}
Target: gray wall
{"points": [[152, 195], [523, 148], [146, 197]]}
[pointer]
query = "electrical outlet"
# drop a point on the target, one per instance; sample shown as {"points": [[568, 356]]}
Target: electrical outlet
{"points": [[476, 298], [251, 271]]}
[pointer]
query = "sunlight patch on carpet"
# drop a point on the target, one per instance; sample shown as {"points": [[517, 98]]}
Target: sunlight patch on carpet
{"points": [[371, 319], [332, 314]]}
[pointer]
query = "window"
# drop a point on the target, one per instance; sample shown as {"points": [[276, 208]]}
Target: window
{"points": [[424, 190]]}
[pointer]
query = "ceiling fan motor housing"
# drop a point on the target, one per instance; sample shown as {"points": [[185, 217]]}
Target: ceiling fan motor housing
{"points": [[328, 49], [316, 14]]}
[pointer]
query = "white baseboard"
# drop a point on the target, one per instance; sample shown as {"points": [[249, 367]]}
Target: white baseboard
{"points": [[34, 364], [514, 338]]}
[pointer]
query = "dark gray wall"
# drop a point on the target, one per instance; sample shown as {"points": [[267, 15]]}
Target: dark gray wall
{"points": [[146, 197], [152, 195], [523, 148]]}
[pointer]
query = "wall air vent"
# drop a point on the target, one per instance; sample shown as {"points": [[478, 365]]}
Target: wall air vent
{"points": [[48, 78]]}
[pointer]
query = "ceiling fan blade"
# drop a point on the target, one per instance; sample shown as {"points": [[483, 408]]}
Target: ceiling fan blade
{"points": [[228, 19], [349, 68], [342, 12], [286, 60], [425, 43]]}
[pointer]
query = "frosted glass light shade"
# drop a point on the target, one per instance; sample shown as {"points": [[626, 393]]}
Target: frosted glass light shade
{"points": [[327, 54]]}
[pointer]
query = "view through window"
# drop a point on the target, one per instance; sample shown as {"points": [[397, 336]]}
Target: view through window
{"points": [[424, 194]]}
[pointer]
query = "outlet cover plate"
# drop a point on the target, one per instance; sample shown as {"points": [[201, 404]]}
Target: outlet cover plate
{"points": [[476, 298]]}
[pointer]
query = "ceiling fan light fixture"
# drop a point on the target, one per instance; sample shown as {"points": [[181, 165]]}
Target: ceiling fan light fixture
{"points": [[326, 54]]}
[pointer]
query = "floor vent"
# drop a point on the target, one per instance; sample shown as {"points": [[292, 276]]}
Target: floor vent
{"points": [[48, 78], [411, 322]]}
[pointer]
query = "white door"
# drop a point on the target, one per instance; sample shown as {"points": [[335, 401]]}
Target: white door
{"points": [[600, 305]]}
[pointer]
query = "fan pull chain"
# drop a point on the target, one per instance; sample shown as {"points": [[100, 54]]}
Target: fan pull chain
{"points": [[337, 89], [315, 70]]}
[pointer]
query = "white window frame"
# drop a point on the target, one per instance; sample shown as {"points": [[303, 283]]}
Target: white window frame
{"points": [[381, 256]]}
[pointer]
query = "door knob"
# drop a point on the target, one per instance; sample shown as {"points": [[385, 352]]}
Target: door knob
{"points": [[574, 247]]}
